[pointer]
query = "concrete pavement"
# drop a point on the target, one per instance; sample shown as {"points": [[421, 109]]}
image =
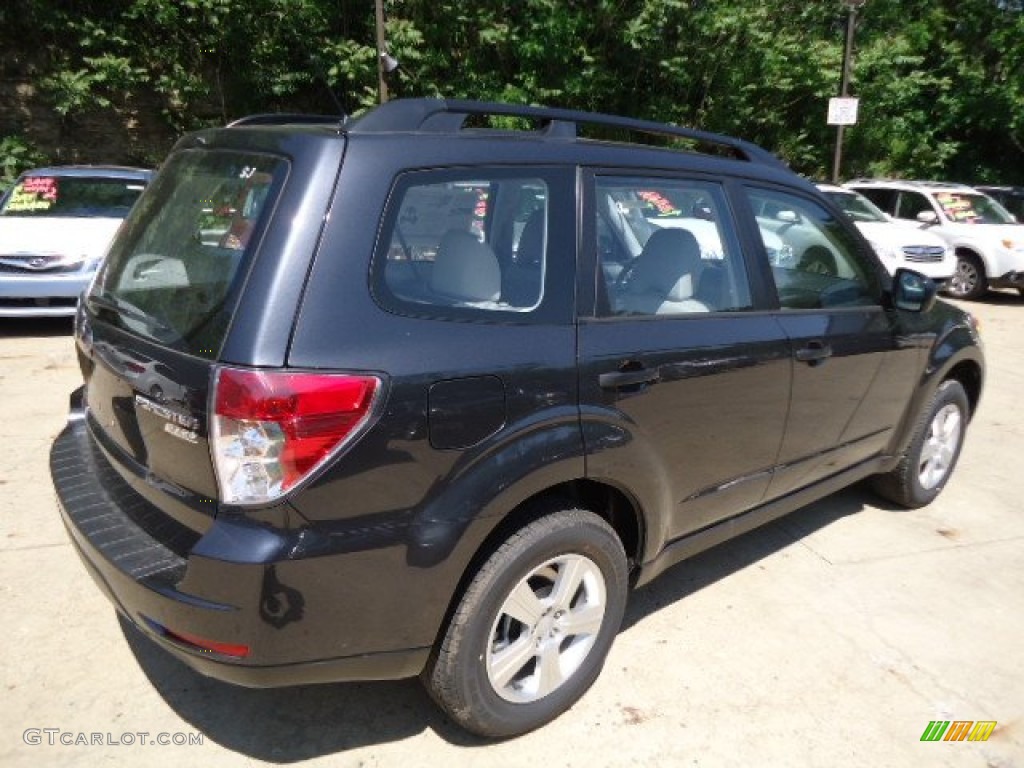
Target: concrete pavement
{"points": [[828, 638]]}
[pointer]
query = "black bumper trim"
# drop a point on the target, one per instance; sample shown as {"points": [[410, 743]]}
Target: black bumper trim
{"points": [[134, 535]]}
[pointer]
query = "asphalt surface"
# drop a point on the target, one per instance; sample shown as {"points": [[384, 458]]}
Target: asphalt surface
{"points": [[829, 638]]}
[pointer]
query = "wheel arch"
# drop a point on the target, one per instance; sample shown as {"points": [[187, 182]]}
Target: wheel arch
{"points": [[610, 503], [969, 374], [976, 253], [963, 364]]}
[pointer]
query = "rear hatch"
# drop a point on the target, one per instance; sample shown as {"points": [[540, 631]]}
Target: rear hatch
{"points": [[156, 317]]}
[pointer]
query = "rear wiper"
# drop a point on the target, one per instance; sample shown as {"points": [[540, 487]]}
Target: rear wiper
{"points": [[129, 310]]}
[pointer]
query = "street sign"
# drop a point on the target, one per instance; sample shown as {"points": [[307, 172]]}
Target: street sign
{"points": [[842, 111]]}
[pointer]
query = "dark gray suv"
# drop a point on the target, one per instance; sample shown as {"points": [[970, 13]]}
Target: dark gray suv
{"points": [[411, 395]]}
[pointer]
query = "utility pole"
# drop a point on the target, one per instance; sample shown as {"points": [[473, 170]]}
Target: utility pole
{"points": [[844, 88], [382, 85]]}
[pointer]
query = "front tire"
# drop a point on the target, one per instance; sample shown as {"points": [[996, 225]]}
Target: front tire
{"points": [[533, 628], [969, 280], [929, 461]]}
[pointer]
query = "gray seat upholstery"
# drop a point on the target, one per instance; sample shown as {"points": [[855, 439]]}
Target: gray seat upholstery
{"points": [[521, 285], [465, 270], [664, 277]]}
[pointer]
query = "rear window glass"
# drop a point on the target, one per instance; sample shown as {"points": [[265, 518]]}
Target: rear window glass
{"points": [[172, 273], [72, 197]]}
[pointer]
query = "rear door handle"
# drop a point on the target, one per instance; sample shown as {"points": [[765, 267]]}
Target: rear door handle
{"points": [[815, 353], [628, 378]]}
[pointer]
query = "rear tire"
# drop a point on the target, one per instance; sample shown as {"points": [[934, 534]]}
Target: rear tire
{"points": [[533, 628], [969, 280], [929, 461]]}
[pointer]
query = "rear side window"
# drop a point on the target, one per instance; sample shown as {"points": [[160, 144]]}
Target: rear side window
{"points": [[883, 198], [466, 244], [72, 197], [171, 274]]}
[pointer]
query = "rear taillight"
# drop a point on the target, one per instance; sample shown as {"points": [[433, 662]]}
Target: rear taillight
{"points": [[270, 430]]}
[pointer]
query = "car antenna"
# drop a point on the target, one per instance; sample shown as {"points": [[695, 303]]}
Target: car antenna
{"points": [[321, 75]]}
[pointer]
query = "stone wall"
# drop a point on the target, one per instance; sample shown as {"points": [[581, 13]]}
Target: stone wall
{"points": [[133, 133]]}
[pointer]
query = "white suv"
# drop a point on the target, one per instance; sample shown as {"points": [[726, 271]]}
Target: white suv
{"points": [[989, 245], [897, 246]]}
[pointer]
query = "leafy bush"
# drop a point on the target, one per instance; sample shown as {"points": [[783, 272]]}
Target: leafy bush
{"points": [[17, 155]]}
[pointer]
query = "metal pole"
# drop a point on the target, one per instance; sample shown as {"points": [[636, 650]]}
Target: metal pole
{"points": [[844, 89], [382, 86]]}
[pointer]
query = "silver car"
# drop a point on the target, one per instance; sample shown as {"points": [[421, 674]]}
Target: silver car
{"points": [[55, 227]]}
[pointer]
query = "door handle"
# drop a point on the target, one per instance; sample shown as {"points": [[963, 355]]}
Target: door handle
{"points": [[630, 377], [815, 353]]}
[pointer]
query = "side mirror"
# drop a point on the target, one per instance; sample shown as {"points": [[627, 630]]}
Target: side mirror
{"points": [[790, 217], [928, 217], [913, 291]]}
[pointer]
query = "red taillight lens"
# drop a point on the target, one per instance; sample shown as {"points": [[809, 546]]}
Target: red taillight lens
{"points": [[271, 429]]}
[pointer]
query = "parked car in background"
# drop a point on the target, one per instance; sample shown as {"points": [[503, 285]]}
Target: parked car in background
{"points": [[895, 245], [1011, 198], [55, 227], [989, 247]]}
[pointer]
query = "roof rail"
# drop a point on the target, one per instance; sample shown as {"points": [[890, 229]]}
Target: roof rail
{"points": [[449, 115], [925, 183], [937, 184], [285, 118]]}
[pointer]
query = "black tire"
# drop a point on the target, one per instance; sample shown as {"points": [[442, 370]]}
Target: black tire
{"points": [[969, 280], [923, 472], [482, 637]]}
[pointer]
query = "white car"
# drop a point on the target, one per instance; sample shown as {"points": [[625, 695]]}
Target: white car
{"points": [[897, 246], [987, 241], [55, 227]]}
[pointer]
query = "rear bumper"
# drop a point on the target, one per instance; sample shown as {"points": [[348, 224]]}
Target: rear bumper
{"points": [[237, 583]]}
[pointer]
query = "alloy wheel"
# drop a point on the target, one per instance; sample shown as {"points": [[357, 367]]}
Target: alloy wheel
{"points": [[940, 446], [546, 628]]}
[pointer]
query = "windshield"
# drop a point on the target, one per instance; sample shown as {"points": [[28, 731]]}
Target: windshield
{"points": [[972, 208], [172, 271], [72, 197], [856, 206]]}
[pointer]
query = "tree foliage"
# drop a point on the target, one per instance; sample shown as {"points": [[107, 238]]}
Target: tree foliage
{"points": [[941, 82]]}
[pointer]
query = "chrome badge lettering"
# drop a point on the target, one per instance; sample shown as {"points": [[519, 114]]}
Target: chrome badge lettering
{"points": [[184, 434], [181, 425]]}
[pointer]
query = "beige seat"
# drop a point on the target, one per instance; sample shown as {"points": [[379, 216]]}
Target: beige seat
{"points": [[664, 278], [465, 270]]}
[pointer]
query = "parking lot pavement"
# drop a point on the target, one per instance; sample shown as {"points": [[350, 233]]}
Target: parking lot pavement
{"points": [[828, 638]]}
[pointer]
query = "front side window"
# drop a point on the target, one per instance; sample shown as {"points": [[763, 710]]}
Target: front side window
{"points": [[913, 203], [667, 247], [823, 266], [463, 243], [72, 197], [170, 272]]}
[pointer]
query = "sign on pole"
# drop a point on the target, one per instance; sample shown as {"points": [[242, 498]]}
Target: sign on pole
{"points": [[842, 111]]}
